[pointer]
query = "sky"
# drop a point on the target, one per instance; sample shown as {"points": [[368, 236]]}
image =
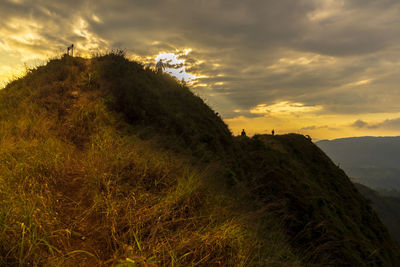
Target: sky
{"points": [[324, 68]]}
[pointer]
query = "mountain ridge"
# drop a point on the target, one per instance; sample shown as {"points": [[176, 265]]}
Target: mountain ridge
{"points": [[105, 162]]}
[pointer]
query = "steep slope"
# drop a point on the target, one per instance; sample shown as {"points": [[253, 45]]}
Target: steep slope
{"points": [[387, 207], [321, 208], [149, 98], [104, 162]]}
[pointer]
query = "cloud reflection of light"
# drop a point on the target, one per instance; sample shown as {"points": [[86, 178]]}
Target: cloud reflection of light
{"points": [[284, 107]]}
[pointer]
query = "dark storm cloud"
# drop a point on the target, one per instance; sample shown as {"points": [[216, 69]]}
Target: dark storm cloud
{"points": [[341, 55]]}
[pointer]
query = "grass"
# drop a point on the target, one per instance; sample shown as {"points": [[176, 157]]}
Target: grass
{"points": [[81, 183], [104, 162]]}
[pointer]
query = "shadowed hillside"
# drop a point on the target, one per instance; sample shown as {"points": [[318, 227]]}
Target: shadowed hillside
{"points": [[105, 162], [320, 207], [387, 207]]}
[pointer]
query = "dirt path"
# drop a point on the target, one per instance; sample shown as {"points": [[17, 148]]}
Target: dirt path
{"points": [[82, 245]]}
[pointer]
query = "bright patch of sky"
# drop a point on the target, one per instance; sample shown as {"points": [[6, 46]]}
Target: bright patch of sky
{"points": [[284, 107], [176, 66]]}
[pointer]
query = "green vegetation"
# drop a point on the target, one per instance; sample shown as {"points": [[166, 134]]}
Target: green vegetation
{"points": [[106, 162]]}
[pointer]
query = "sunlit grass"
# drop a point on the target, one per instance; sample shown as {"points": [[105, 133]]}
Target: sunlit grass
{"points": [[104, 162], [138, 202]]}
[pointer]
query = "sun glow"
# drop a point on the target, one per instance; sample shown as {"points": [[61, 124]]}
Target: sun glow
{"points": [[8, 73], [90, 41]]}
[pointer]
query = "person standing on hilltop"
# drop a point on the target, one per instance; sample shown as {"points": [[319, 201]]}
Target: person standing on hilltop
{"points": [[160, 66], [243, 133], [273, 132], [70, 48]]}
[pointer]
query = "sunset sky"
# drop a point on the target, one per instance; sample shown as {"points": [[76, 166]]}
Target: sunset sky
{"points": [[327, 68]]}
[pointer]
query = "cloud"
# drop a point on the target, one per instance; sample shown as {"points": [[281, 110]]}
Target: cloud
{"points": [[390, 124], [340, 56], [316, 127], [283, 107], [360, 124], [393, 124]]}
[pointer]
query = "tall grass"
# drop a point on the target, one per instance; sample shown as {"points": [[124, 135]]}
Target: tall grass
{"points": [[103, 162], [136, 200]]}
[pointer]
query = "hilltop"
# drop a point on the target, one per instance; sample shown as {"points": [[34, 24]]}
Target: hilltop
{"points": [[106, 162]]}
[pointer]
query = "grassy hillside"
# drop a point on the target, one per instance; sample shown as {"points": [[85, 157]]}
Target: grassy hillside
{"points": [[387, 207], [319, 206], [104, 162]]}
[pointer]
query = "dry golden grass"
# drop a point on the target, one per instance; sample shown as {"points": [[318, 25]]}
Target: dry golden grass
{"points": [[80, 186], [106, 163]]}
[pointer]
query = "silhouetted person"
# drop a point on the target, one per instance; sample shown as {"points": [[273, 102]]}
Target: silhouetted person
{"points": [[72, 50], [243, 133], [160, 66], [273, 132]]}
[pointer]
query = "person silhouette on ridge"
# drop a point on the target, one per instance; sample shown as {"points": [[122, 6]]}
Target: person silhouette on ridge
{"points": [[273, 132], [70, 48], [243, 133], [160, 66]]}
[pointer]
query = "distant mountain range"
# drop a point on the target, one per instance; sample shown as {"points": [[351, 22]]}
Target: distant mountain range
{"points": [[372, 161], [387, 207]]}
